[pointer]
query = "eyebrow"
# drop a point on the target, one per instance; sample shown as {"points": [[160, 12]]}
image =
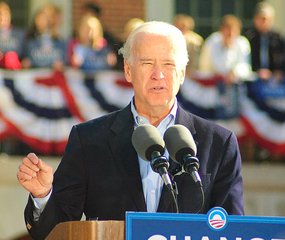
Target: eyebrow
{"points": [[145, 59], [150, 59]]}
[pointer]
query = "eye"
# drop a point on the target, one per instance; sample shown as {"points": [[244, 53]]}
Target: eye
{"points": [[147, 63], [170, 64]]}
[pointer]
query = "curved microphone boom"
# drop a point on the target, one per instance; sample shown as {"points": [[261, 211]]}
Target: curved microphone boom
{"points": [[150, 146], [182, 149]]}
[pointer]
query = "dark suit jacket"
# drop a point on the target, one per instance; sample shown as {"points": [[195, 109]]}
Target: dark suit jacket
{"points": [[276, 52], [99, 173]]}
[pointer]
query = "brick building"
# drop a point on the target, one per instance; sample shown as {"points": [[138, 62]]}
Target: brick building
{"points": [[114, 13]]}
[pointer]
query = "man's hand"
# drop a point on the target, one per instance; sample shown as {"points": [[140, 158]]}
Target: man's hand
{"points": [[35, 176]]}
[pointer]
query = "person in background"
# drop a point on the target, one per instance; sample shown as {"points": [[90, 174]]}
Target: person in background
{"points": [[194, 41], [92, 52], [92, 9], [129, 26], [54, 15], [225, 57], [268, 61], [42, 48], [11, 40], [101, 174], [114, 42], [267, 45], [226, 52]]}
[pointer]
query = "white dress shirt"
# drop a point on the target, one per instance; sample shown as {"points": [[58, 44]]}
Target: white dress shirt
{"points": [[215, 58], [151, 181]]}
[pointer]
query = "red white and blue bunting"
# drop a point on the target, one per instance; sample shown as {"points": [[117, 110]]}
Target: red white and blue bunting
{"points": [[258, 108], [40, 106]]}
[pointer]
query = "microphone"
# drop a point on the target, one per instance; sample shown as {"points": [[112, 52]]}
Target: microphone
{"points": [[150, 146], [182, 149]]}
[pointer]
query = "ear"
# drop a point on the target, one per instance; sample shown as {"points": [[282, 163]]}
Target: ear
{"points": [[127, 70]]}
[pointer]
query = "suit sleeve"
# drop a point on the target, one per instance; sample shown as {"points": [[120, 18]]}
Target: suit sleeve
{"points": [[228, 186], [69, 189]]}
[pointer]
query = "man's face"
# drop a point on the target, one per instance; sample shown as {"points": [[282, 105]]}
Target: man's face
{"points": [[154, 73], [263, 22], [230, 33]]}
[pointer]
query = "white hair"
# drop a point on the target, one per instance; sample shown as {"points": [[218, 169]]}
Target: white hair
{"points": [[264, 8], [161, 29]]}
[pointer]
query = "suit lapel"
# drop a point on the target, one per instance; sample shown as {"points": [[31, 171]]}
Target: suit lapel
{"points": [[126, 156], [185, 119]]}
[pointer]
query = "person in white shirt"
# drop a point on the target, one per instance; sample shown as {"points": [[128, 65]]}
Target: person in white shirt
{"points": [[226, 52]]}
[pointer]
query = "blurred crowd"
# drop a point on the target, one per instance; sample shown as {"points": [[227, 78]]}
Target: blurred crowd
{"points": [[236, 54], [228, 52], [232, 53], [90, 48]]}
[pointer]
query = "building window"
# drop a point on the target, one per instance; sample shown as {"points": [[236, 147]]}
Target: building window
{"points": [[20, 12], [208, 13]]}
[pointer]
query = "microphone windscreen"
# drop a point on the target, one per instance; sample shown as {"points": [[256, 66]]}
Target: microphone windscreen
{"points": [[146, 139], [179, 142]]}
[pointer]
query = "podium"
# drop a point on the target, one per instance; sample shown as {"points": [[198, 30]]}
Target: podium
{"points": [[87, 230], [216, 224]]}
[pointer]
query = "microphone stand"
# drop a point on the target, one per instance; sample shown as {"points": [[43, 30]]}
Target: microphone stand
{"points": [[191, 166], [174, 194], [160, 164]]}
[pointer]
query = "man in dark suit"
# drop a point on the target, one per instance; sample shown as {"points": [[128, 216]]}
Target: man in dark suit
{"points": [[101, 174], [267, 45]]}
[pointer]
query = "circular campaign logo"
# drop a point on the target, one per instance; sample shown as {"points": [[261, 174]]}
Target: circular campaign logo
{"points": [[217, 218]]}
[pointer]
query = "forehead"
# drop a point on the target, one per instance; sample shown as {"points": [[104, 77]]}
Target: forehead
{"points": [[153, 44]]}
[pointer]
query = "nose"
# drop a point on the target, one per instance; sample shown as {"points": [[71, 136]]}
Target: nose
{"points": [[157, 73]]}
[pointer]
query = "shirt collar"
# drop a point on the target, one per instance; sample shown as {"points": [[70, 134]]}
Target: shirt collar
{"points": [[139, 120]]}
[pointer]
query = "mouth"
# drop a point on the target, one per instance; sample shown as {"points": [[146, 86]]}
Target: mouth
{"points": [[157, 88]]}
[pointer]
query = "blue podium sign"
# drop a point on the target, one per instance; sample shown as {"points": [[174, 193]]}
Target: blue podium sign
{"points": [[216, 225]]}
